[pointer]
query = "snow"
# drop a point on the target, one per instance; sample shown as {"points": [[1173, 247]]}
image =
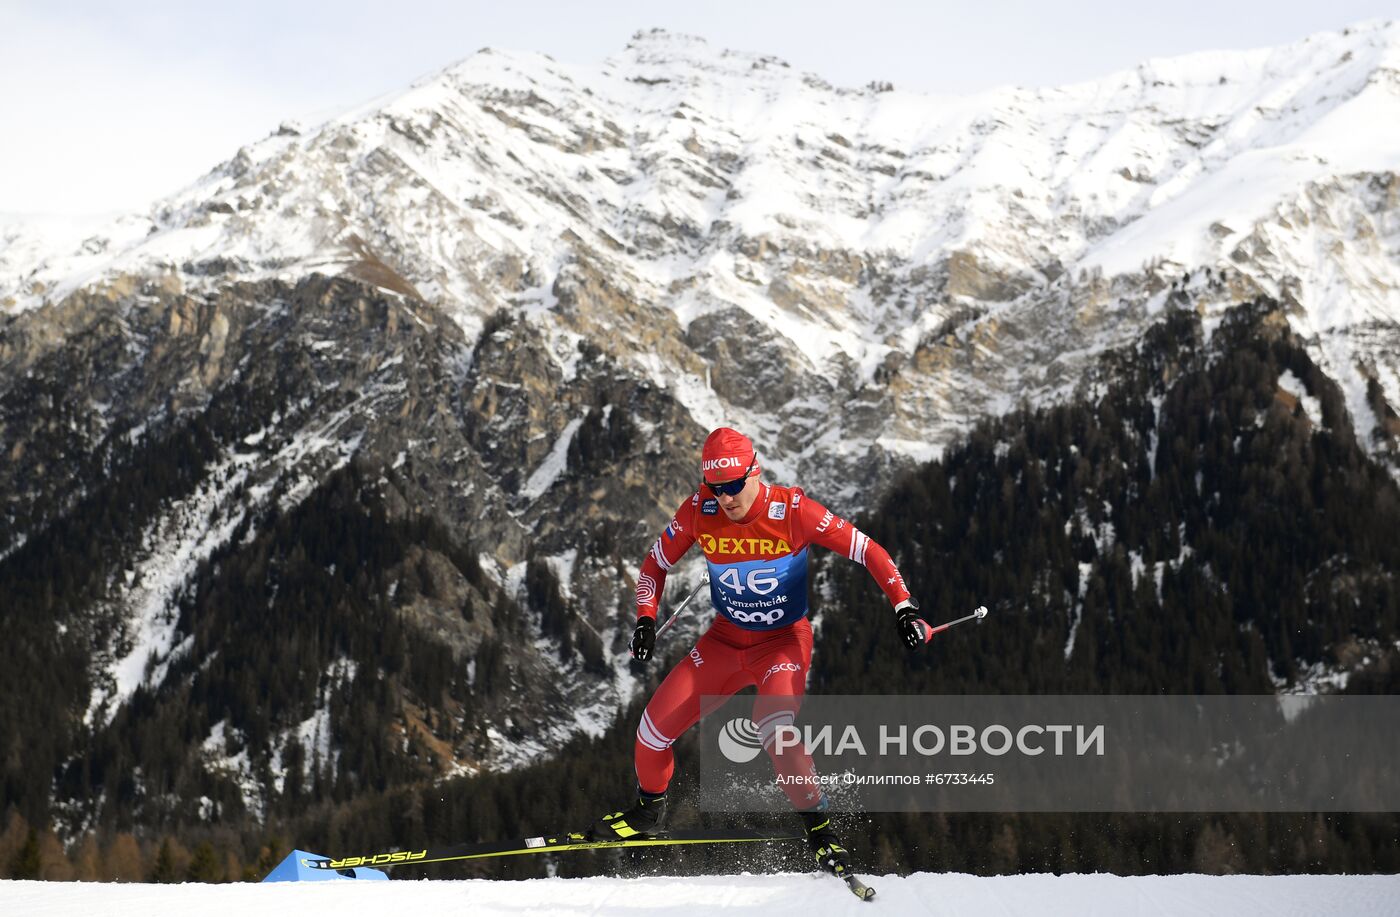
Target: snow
{"points": [[1076, 614], [562, 566], [1046, 144], [1137, 565], [18, 543], [190, 530], [766, 895], [214, 743], [1294, 386], [313, 734], [172, 549], [1152, 443], [553, 465], [323, 440], [1318, 678]]}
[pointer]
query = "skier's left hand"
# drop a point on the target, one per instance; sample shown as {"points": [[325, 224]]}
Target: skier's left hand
{"points": [[913, 630]]}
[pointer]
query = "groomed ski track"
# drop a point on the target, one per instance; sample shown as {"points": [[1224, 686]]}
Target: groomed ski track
{"points": [[954, 895]]}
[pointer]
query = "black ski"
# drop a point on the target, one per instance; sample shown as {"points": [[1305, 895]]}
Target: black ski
{"points": [[552, 844], [858, 888]]}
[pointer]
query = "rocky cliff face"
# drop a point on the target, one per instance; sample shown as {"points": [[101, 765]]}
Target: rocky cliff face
{"points": [[522, 291]]}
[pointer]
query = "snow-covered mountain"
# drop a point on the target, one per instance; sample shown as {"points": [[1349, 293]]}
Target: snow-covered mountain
{"points": [[551, 279], [848, 231]]}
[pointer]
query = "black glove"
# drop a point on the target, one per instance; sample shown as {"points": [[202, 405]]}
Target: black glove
{"points": [[913, 630], [643, 639]]}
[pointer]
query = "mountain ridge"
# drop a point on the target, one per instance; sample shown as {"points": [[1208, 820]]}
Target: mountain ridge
{"points": [[709, 207]]}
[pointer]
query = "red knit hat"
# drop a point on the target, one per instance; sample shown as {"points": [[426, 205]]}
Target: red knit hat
{"points": [[726, 454]]}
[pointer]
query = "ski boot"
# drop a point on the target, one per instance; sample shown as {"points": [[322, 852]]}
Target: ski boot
{"points": [[824, 843], [646, 818]]}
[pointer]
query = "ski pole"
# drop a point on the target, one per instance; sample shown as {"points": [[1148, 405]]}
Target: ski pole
{"points": [[979, 613], [680, 608]]}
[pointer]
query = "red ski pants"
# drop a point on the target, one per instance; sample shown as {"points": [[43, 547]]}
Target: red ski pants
{"points": [[724, 660]]}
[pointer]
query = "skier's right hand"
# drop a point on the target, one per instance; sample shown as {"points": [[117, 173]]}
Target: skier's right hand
{"points": [[914, 631], [643, 639]]}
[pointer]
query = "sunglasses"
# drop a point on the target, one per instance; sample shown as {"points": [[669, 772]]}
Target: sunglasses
{"points": [[732, 488]]}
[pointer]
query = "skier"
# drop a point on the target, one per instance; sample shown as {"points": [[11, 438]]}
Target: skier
{"points": [[755, 538]]}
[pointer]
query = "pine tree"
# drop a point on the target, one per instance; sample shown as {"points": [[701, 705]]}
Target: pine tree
{"points": [[164, 869], [26, 864], [204, 865]]}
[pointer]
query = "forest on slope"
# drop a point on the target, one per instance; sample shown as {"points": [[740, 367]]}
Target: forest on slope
{"points": [[1191, 525]]}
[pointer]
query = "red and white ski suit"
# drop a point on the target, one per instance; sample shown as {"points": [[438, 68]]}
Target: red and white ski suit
{"points": [[761, 636]]}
